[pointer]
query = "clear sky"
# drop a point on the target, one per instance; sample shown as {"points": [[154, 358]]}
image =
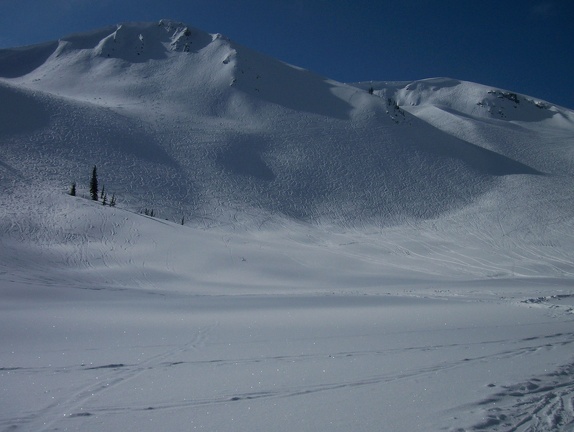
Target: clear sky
{"points": [[526, 46]]}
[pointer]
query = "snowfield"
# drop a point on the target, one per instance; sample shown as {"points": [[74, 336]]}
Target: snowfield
{"points": [[394, 256]]}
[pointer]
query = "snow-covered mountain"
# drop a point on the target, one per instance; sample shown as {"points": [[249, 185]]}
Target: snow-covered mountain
{"points": [[352, 253], [198, 127], [191, 123]]}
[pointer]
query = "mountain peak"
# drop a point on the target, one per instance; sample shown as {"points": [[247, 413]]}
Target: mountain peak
{"points": [[137, 41]]}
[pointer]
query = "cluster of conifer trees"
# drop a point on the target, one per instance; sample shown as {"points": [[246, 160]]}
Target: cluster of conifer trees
{"points": [[95, 193]]}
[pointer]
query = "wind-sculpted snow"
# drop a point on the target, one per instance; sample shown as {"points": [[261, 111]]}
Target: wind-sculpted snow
{"points": [[140, 42]]}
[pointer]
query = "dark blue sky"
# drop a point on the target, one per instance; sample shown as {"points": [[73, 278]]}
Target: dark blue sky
{"points": [[524, 46]]}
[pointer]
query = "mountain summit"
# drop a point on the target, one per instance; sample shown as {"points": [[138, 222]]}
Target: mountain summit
{"points": [[196, 124]]}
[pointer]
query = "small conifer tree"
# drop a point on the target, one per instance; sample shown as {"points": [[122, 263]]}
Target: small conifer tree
{"points": [[94, 184], [113, 200], [73, 189]]}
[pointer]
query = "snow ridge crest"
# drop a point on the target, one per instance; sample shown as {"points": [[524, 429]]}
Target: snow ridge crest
{"points": [[138, 42]]}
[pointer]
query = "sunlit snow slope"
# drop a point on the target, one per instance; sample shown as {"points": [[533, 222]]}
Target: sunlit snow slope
{"points": [[458, 176]]}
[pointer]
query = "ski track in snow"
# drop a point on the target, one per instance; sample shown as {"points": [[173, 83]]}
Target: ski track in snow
{"points": [[542, 404], [111, 375]]}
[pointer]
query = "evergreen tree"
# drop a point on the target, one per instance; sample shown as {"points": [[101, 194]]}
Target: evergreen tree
{"points": [[94, 184], [113, 200], [73, 189], [103, 193], [104, 199]]}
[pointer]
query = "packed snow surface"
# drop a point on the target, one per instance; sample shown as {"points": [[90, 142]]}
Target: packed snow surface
{"points": [[322, 256]]}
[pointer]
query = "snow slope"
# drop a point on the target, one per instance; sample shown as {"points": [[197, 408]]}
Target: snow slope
{"points": [[348, 259]]}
